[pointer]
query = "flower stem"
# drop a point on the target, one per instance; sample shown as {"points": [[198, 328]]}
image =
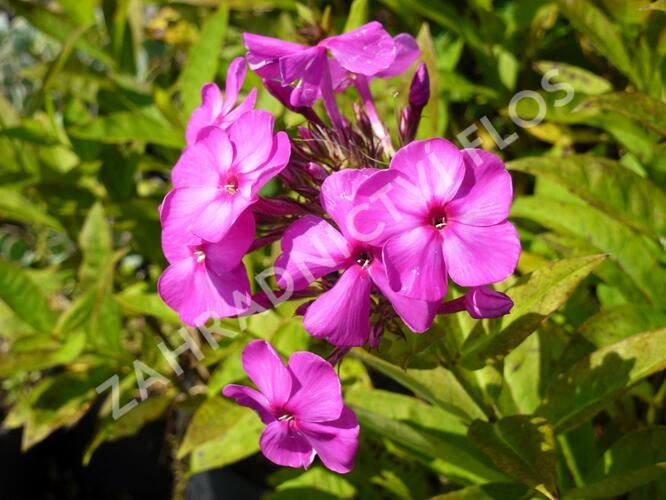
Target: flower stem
{"points": [[363, 87]]}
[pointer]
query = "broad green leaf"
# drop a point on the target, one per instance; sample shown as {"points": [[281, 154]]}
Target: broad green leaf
{"points": [[13, 206], [523, 446], [635, 459], [317, 478], [25, 297], [358, 15], [635, 256], [97, 248], [42, 358], [580, 79], [130, 423], [135, 299], [536, 296], [448, 458], [431, 122], [606, 185], [606, 37], [437, 386], [63, 402], [646, 110], [490, 491], [236, 438], [620, 322], [596, 380], [204, 56], [129, 126]]}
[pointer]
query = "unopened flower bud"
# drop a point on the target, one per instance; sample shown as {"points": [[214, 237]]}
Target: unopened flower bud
{"points": [[419, 91], [483, 302], [316, 172]]}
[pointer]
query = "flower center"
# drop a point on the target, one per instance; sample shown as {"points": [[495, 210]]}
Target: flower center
{"points": [[438, 218], [200, 255], [231, 185], [287, 417], [363, 259]]}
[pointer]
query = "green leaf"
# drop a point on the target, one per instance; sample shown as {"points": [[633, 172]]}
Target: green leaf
{"points": [[358, 15], [97, 247], [25, 297], [451, 460], [635, 256], [620, 322], [136, 300], [596, 380], [237, 431], [606, 185], [580, 79], [646, 110], [637, 458], [536, 296], [43, 357], [129, 126], [63, 402], [204, 56], [523, 446], [593, 23], [431, 123], [318, 479], [490, 491], [13, 206]]}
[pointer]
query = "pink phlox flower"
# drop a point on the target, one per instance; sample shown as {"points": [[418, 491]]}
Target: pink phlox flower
{"points": [[439, 211], [312, 248], [218, 111], [218, 178], [302, 407]]}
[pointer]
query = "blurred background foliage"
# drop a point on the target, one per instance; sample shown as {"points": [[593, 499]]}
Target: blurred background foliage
{"points": [[563, 398]]}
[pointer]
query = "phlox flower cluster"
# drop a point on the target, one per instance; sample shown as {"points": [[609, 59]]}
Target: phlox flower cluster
{"points": [[370, 248]]}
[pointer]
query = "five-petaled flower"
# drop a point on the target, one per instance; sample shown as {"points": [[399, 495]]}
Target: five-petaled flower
{"points": [[301, 405]]}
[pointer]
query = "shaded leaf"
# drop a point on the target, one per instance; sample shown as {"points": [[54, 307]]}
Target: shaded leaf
{"points": [[580, 79], [490, 491], [620, 322], [13, 206], [646, 110]]}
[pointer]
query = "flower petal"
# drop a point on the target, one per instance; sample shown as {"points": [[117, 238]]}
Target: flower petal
{"points": [[235, 77], [418, 315], [434, 169], [415, 264], [264, 50], [365, 50], [318, 397], [252, 181], [202, 164], [229, 252], [335, 442], [246, 396], [337, 194], [265, 368], [311, 248], [252, 137], [383, 207], [206, 114], [215, 218], [342, 314], [407, 52], [177, 239], [484, 197], [246, 105], [284, 446], [478, 256], [197, 296]]}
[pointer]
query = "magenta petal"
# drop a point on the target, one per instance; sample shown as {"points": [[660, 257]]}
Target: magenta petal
{"points": [[235, 77], [246, 105], [176, 220], [480, 255], [415, 264], [483, 302], [253, 181], [342, 314], [269, 48], [228, 253], [311, 248], [365, 50], [484, 197], [407, 52], [335, 442], [252, 137], [418, 315], [306, 63], [202, 164], [284, 446], [385, 205], [216, 217], [246, 396], [197, 296], [337, 194], [434, 168], [206, 114], [319, 395], [265, 368]]}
